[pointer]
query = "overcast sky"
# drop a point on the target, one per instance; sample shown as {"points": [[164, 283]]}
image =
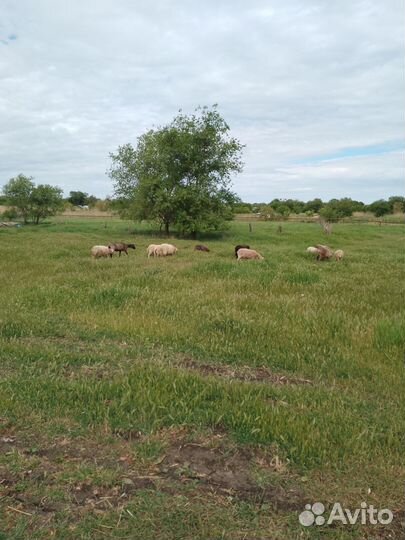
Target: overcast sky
{"points": [[314, 88]]}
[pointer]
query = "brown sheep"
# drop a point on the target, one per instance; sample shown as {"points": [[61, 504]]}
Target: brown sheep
{"points": [[119, 246], [324, 252]]}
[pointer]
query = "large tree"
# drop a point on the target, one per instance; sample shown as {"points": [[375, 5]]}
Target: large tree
{"points": [[32, 202], [180, 174]]}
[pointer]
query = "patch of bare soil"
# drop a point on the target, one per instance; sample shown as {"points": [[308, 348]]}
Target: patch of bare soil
{"points": [[209, 466], [243, 373], [226, 472]]}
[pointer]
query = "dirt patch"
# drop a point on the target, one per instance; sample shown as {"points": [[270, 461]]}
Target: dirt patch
{"points": [[85, 475], [243, 373], [104, 498], [7, 442], [226, 472]]}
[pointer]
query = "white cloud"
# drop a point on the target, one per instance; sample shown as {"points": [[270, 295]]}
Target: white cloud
{"points": [[294, 80]]}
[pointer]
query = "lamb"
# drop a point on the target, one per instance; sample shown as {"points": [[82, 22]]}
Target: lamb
{"points": [[200, 247], [248, 254], [238, 247], [101, 251], [120, 246], [339, 254]]}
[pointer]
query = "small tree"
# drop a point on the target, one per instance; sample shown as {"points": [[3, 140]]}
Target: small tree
{"points": [[18, 192], [397, 204], [78, 198], [314, 206], [327, 216], [46, 201], [328, 213], [284, 210], [179, 174], [379, 208]]}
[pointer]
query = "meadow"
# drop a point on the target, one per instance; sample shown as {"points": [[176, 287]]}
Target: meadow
{"points": [[195, 397]]}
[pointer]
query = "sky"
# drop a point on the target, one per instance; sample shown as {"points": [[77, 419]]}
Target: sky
{"points": [[313, 88]]}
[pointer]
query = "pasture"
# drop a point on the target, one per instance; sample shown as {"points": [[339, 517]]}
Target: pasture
{"points": [[195, 397]]}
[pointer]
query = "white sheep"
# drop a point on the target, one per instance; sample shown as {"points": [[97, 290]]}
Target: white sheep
{"points": [[313, 250], [248, 254], [151, 250], [339, 254], [102, 251], [163, 250], [158, 251]]}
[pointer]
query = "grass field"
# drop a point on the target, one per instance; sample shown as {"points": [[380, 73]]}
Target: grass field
{"points": [[194, 397]]}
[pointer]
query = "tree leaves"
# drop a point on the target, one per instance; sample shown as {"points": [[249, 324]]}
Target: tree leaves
{"points": [[180, 174]]}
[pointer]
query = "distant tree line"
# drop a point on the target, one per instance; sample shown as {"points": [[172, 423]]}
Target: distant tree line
{"points": [[330, 211], [34, 203], [189, 194]]}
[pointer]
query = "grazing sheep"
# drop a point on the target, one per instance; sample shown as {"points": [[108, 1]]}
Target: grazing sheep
{"points": [[101, 251], [158, 251], [239, 246], [200, 247], [313, 250], [120, 246], [339, 254], [248, 254], [324, 252], [166, 249], [321, 252], [151, 250]]}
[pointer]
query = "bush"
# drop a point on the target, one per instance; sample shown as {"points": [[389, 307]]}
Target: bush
{"points": [[10, 214]]}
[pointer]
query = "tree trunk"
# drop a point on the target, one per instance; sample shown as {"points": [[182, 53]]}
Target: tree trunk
{"points": [[167, 225]]}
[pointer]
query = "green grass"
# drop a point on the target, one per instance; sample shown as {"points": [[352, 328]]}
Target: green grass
{"points": [[97, 352]]}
